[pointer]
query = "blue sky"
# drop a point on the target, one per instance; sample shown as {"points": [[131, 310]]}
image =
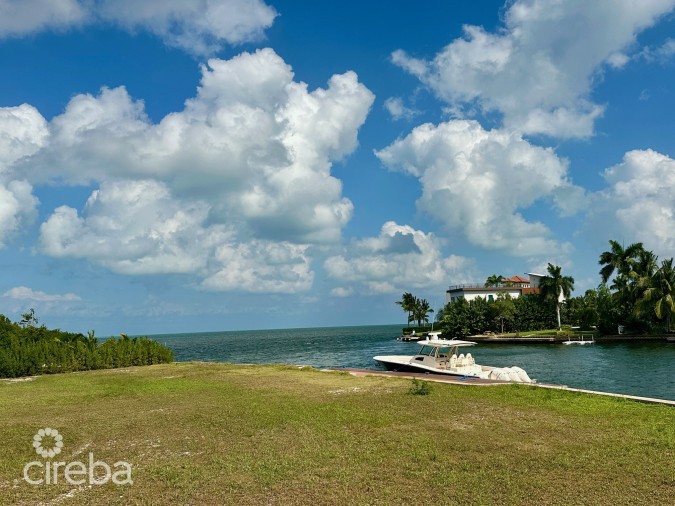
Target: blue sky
{"points": [[232, 164]]}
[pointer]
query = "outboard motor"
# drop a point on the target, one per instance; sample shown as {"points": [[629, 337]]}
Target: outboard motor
{"points": [[522, 375], [513, 374]]}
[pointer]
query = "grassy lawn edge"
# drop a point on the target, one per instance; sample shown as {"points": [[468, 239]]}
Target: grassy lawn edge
{"points": [[213, 433]]}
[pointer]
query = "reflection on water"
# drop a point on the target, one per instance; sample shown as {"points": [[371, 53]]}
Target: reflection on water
{"points": [[644, 369]]}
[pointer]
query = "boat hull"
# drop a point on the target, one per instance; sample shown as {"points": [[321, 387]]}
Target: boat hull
{"points": [[405, 366], [401, 363]]}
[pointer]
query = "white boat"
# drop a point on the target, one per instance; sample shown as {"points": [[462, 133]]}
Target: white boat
{"points": [[410, 337], [420, 337], [582, 340], [441, 356]]}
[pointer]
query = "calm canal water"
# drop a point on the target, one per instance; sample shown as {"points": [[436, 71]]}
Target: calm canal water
{"points": [[645, 369]]}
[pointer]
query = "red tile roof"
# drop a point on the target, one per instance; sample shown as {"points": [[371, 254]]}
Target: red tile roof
{"points": [[517, 279]]}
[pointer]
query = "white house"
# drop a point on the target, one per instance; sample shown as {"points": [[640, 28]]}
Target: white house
{"points": [[536, 278], [515, 286]]}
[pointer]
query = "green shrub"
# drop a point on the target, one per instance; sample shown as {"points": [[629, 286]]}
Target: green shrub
{"points": [[420, 387], [27, 350]]}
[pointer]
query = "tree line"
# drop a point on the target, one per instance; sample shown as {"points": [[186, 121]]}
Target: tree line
{"points": [[27, 349], [505, 314], [640, 298]]}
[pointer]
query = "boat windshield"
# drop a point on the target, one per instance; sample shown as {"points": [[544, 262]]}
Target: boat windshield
{"points": [[443, 351], [427, 350]]}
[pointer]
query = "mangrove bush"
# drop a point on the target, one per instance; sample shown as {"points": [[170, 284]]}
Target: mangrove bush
{"points": [[26, 349]]}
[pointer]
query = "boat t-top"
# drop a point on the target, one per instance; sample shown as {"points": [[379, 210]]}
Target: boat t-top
{"points": [[443, 356]]}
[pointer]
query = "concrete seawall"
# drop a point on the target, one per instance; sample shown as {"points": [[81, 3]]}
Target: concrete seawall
{"points": [[439, 378], [560, 339]]}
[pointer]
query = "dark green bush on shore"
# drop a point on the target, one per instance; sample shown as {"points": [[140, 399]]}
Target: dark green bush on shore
{"points": [[27, 350]]}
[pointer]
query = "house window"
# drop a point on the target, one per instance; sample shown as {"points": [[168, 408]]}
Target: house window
{"points": [[491, 297]]}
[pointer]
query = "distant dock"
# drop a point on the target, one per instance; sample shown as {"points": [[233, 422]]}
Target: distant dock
{"points": [[493, 339]]}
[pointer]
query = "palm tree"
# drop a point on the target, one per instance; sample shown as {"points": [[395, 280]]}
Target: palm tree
{"points": [[407, 303], [421, 311], [643, 265], [621, 287], [642, 273], [618, 259], [494, 280], [661, 292], [555, 286]]}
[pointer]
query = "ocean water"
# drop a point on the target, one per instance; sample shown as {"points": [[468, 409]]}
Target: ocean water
{"points": [[645, 369]]}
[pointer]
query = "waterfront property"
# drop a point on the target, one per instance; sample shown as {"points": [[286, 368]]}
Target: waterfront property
{"points": [[637, 367], [515, 286]]}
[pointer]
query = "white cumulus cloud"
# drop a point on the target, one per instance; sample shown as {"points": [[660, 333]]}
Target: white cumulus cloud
{"points": [[134, 227], [25, 293], [197, 26], [20, 17], [639, 202], [539, 69], [478, 182], [18, 207], [399, 258], [398, 110], [247, 161], [261, 266], [254, 144], [23, 132]]}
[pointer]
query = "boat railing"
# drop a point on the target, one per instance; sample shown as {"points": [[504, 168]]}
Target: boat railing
{"points": [[484, 287], [468, 285]]}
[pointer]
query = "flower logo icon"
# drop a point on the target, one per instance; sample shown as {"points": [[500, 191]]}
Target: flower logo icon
{"points": [[49, 433]]}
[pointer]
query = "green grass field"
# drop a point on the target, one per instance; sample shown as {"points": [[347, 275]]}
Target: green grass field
{"points": [[213, 434]]}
